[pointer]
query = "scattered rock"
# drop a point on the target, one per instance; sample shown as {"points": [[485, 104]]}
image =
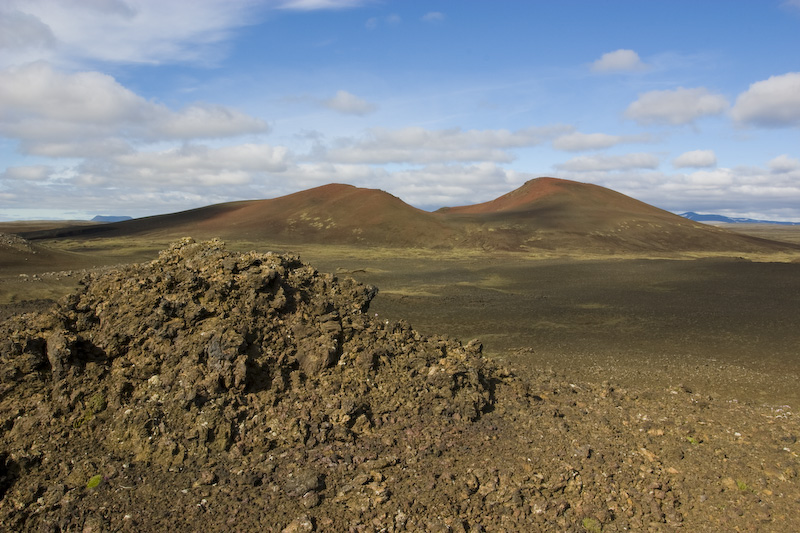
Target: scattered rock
{"points": [[218, 391]]}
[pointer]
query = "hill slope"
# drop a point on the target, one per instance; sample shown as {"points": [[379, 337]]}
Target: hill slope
{"points": [[551, 213], [330, 214], [543, 214]]}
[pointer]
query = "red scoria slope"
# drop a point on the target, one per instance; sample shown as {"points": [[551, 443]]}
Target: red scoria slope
{"points": [[557, 214]]}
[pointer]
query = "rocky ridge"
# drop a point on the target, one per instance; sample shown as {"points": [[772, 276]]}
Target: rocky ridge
{"points": [[239, 392]]}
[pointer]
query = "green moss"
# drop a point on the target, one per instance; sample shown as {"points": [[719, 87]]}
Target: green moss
{"points": [[592, 525], [94, 405]]}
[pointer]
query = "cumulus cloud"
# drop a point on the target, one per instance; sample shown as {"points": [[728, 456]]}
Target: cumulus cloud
{"points": [[713, 179], [439, 185], [619, 61], [186, 165], [69, 32], [740, 191], [348, 103], [256, 157], [773, 103], [427, 186], [204, 120], [125, 31], [676, 107], [27, 173], [696, 159], [610, 162], [48, 110], [21, 31], [784, 163], [578, 142], [420, 145], [39, 90], [100, 147]]}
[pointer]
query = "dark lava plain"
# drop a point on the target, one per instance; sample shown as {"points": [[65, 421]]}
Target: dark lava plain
{"points": [[631, 393], [725, 325]]}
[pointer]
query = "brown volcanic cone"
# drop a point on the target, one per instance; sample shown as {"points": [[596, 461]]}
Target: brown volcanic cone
{"points": [[334, 213], [543, 214], [553, 213], [330, 214]]}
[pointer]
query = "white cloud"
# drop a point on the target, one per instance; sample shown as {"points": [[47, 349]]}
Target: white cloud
{"points": [[133, 31], [90, 97], [21, 31], [435, 186], [774, 102], [188, 165], [429, 186], [100, 147], [319, 173], [420, 145], [783, 163], [610, 162], [70, 32], [350, 104], [740, 191], [27, 173], [578, 142], [696, 159], [676, 107], [206, 121], [619, 61], [188, 158], [54, 113], [714, 179], [433, 16]]}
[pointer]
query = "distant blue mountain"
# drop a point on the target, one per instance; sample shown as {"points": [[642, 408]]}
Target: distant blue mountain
{"points": [[728, 220], [110, 218]]}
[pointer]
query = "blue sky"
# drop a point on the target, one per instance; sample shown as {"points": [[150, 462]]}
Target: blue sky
{"points": [[140, 107]]}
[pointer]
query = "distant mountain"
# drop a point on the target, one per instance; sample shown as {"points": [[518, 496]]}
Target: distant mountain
{"points": [[728, 220], [110, 218], [544, 214]]}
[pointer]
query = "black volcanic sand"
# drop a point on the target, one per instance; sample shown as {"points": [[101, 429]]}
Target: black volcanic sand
{"points": [[217, 391]]}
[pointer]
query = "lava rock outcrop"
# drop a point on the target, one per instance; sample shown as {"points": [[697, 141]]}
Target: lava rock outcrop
{"points": [[205, 356], [219, 391]]}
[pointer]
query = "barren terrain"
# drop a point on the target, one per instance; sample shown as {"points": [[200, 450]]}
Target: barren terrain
{"points": [[573, 389]]}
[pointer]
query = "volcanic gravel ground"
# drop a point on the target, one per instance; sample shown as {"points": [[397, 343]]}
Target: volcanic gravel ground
{"points": [[218, 391]]}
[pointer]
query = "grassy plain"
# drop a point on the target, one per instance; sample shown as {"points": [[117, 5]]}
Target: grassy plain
{"points": [[726, 326]]}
